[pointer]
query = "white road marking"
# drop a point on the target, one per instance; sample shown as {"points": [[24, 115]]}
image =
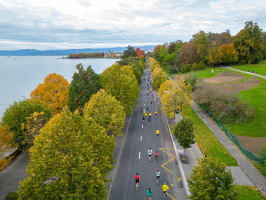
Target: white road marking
{"points": [[139, 155], [140, 138], [144, 104], [142, 125]]}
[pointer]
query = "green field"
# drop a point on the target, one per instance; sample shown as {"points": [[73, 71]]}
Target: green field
{"points": [[208, 143], [259, 68], [207, 73], [248, 193]]}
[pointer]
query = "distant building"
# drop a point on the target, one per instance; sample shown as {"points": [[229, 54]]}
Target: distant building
{"points": [[110, 54]]}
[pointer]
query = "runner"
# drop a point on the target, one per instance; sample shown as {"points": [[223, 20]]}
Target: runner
{"points": [[137, 178], [141, 109], [156, 155], [146, 114], [149, 192], [150, 115], [157, 132], [164, 189], [155, 113], [158, 174], [143, 119], [149, 153]]}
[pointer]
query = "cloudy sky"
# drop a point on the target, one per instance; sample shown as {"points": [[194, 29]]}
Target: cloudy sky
{"points": [[57, 24]]}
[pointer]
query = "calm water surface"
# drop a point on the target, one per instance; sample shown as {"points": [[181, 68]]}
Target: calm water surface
{"points": [[19, 75]]}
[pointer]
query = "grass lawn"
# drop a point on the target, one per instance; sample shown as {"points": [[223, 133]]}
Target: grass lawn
{"points": [[208, 143], [259, 68], [207, 73], [248, 193], [256, 127]]}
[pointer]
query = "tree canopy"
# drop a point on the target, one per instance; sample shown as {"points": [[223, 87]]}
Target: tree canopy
{"points": [[106, 111], [129, 52], [53, 92], [184, 132], [84, 84]]}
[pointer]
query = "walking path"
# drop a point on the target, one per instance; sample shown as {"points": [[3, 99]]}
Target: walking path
{"points": [[246, 168], [237, 70]]}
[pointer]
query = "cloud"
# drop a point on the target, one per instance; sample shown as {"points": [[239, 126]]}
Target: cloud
{"points": [[44, 23]]}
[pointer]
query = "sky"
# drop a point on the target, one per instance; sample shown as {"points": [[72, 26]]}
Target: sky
{"points": [[62, 24]]}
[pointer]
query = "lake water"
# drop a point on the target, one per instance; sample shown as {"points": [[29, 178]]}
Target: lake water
{"points": [[19, 75]]}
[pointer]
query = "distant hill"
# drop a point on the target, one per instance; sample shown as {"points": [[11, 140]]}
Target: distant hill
{"points": [[35, 52]]}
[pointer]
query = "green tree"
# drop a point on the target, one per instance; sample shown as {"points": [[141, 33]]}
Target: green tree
{"points": [[69, 160], [129, 52], [84, 84], [188, 54], [159, 79], [121, 83], [106, 111], [249, 43], [16, 115], [184, 132], [201, 40], [210, 180]]}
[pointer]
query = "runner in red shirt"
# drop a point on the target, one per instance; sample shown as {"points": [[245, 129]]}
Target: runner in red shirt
{"points": [[156, 155], [137, 178]]}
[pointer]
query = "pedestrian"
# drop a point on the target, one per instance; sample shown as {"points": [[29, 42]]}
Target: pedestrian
{"points": [[164, 189], [150, 153], [137, 178], [156, 155], [158, 174], [149, 192]]}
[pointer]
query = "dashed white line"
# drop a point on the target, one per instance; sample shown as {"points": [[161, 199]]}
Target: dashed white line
{"points": [[139, 155], [142, 126], [140, 138]]}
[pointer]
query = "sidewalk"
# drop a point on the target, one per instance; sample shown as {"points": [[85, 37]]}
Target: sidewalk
{"points": [[246, 168], [253, 74]]}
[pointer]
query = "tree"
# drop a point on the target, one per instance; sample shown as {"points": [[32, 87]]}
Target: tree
{"points": [[188, 54], [154, 63], [156, 51], [159, 79], [201, 40], [121, 83], [249, 43], [211, 180], [228, 53], [184, 132], [140, 53], [166, 86], [53, 92], [17, 114], [129, 52], [69, 160], [106, 111], [84, 84], [6, 142]]}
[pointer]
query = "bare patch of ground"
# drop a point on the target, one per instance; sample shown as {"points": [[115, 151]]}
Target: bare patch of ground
{"points": [[252, 144], [225, 77]]}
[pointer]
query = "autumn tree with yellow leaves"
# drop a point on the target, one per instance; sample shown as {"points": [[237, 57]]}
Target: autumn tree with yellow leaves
{"points": [[53, 92], [69, 160], [106, 111]]}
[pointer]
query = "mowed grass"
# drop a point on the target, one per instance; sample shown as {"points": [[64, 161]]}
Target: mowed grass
{"points": [[208, 143], [259, 68], [208, 72], [256, 97], [248, 193]]}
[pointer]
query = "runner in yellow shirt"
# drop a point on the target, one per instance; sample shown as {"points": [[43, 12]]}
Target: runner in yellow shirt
{"points": [[165, 188]]}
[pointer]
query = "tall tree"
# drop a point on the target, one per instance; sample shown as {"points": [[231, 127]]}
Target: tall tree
{"points": [[69, 160], [121, 83], [53, 92], [129, 52], [249, 43], [140, 53], [106, 111], [188, 54], [16, 115], [184, 132], [84, 84], [211, 180], [201, 40]]}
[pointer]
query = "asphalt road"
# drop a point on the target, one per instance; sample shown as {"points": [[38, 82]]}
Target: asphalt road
{"points": [[134, 157]]}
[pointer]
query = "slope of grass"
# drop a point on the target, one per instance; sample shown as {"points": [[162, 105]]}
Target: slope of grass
{"points": [[208, 73], [208, 143], [248, 193], [259, 68]]}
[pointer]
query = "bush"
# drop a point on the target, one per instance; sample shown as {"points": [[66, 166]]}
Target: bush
{"points": [[192, 80], [225, 107], [199, 66], [184, 132], [185, 68], [11, 196]]}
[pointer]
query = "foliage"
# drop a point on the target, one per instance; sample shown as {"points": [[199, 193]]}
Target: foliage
{"points": [[154, 63], [129, 52], [33, 125], [192, 80], [184, 68], [53, 92], [6, 142], [69, 160], [17, 114], [199, 66], [121, 83], [156, 50], [263, 165], [211, 180], [201, 41], [229, 53], [249, 43], [156, 71], [140, 53], [86, 55], [166, 86], [106, 111], [245, 192], [84, 84], [224, 107], [184, 132], [188, 54], [159, 79], [11, 196]]}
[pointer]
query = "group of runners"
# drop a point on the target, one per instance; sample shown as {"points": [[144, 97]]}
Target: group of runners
{"points": [[148, 114]]}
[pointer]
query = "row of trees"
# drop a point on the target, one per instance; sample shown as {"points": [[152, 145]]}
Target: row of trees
{"points": [[73, 127], [247, 46], [209, 179]]}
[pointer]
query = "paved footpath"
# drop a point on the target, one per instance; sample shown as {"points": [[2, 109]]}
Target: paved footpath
{"points": [[134, 157], [237, 70], [246, 168]]}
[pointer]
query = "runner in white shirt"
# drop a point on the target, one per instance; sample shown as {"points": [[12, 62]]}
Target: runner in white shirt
{"points": [[149, 153], [158, 174]]}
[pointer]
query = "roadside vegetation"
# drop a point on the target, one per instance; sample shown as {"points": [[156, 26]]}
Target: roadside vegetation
{"points": [[259, 68], [85, 55]]}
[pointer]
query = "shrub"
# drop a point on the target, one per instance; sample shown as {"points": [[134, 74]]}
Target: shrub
{"points": [[184, 132], [192, 80], [199, 66], [225, 107], [11, 196], [185, 68]]}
